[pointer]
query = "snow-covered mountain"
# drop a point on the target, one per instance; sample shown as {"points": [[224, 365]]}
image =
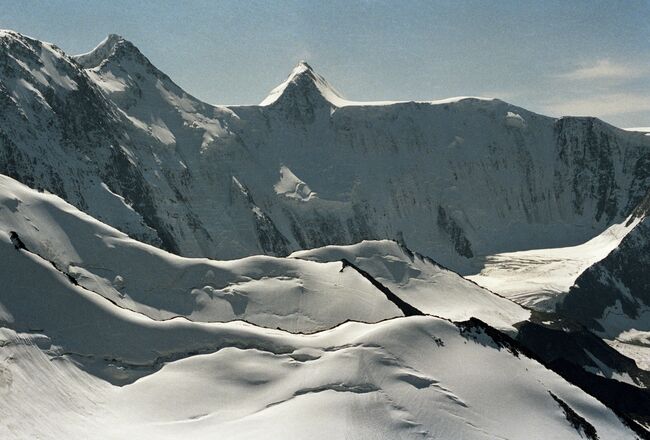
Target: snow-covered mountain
{"points": [[459, 179], [612, 297], [401, 378], [315, 290], [119, 192], [98, 310], [423, 283]]}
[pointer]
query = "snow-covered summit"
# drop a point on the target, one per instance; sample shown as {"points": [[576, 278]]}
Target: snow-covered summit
{"points": [[113, 46], [8, 33], [306, 83]]}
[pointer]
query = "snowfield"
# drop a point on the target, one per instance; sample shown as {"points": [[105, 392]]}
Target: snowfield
{"points": [[123, 368], [399, 378], [294, 295], [538, 278], [423, 283], [311, 267]]}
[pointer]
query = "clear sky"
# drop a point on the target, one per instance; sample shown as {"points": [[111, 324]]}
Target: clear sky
{"points": [[554, 57]]}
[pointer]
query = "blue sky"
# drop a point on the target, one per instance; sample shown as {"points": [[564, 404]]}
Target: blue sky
{"points": [[554, 57]]}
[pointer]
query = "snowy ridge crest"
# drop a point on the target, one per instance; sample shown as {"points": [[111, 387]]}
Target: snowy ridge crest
{"points": [[260, 339], [305, 84], [112, 46]]}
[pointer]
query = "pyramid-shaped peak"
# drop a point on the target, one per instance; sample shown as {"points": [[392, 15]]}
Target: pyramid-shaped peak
{"points": [[113, 45], [302, 67], [304, 82]]}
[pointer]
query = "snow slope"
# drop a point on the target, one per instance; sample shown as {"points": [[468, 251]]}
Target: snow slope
{"points": [[302, 76], [309, 292], [423, 283], [395, 379], [295, 295], [645, 130], [539, 278], [612, 296], [123, 339]]}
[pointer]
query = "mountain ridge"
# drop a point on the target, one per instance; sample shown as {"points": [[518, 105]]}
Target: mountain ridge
{"points": [[140, 350], [157, 224], [171, 146]]}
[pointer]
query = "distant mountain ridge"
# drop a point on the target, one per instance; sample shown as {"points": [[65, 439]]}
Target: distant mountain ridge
{"points": [[116, 137]]}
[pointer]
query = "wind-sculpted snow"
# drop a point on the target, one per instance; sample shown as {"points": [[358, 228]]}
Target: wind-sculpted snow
{"points": [[310, 292], [295, 295], [458, 179], [112, 369], [114, 312], [402, 378], [424, 284], [368, 282]]}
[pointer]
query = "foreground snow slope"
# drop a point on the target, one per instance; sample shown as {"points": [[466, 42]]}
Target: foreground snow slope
{"points": [[456, 179], [89, 307], [295, 295], [309, 292], [422, 283], [403, 378], [363, 282]]}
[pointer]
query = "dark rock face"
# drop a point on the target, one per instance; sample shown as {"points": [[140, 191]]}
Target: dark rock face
{"points": [[557, 339], [584, 359], [270, 239], [62, 135], [455, 233], [406, 308], [621, 278], [631, 404], [16, 241], [586, 151], [122, 174], [578, 422]]}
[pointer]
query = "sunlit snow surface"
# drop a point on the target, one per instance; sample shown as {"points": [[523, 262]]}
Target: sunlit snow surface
{"points": [[103, 336], [423, 283], [334, 97], [635, 345], [538, 278], [405, 378], [103, 366], [645, 130], [291, 294]]}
